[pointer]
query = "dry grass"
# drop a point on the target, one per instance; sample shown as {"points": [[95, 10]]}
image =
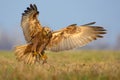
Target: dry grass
{"points": [[69, 65]]}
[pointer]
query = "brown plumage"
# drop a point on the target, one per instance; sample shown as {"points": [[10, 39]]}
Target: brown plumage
{"points": [[40, 38]]}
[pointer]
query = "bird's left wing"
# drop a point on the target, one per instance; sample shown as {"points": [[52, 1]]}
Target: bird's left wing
{"points": [[29, 23], [74, 36]]}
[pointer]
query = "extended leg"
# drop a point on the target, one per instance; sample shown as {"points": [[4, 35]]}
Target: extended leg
{"points": [[44, 57], [42, 53], [42, 48], [34, 47]]}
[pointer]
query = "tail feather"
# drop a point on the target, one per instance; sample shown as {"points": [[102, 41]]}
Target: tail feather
{"points": [[24, 53], [30, 59]]}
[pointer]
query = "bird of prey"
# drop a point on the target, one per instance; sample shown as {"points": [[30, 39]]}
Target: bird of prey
{"points": [[39, 38]]}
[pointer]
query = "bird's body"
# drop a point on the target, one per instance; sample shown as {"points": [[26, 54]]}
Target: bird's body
{"points": [[41, 38]]}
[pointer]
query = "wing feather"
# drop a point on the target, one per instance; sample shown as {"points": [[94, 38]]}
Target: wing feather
{"points": [[70, 41], [74, 36], [29, 23]]}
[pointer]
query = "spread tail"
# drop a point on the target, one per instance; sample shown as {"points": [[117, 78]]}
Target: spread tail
{"points": [[25, 54]]}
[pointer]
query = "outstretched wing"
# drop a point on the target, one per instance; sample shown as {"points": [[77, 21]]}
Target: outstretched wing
{"points": [[74, 36], [30, 23]]}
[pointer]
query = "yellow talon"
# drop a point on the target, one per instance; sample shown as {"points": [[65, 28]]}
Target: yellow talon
{"points": [[34, 53], [44, 58]]}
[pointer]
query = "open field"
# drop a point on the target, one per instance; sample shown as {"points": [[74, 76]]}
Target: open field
{"points": [[69, 65]]}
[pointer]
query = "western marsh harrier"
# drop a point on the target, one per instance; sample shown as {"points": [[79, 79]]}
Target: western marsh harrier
{"points": [[39, 38]]}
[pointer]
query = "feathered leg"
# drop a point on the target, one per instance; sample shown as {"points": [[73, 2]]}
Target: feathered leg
{"points": [[35, 44], [42, 53], [43, 46]]}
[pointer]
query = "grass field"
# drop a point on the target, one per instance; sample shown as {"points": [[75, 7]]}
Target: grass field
{"points": [[69, 65]]}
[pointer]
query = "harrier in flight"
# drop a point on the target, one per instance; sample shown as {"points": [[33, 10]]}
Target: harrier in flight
{"points": [[39, 38]]}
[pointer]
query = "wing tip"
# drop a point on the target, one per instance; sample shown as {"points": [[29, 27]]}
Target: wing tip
{"points": [[99, 28], [31, 8], [100, 31], [91, 23]]}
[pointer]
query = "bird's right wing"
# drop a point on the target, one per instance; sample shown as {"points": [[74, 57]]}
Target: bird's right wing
{"points": [[29, 23], [74, 36]]}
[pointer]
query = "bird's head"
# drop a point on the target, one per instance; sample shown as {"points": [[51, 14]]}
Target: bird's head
{"points": [[46, 31]]}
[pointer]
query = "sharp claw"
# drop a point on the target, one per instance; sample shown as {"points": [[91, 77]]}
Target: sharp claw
{"points": [[34, 53], [44, 58]]}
